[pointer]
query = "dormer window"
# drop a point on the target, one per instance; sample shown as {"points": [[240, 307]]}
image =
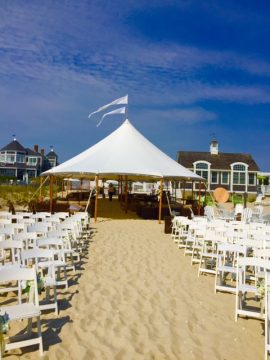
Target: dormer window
{"points": [[32, 161], [239, 174], [202, 168]]}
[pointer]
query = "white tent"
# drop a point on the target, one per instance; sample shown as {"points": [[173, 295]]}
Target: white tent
{"points": [[124, 152]]}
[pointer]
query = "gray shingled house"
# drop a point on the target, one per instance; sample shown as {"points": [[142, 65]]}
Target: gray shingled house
{"points": [[22, 163], [235, 172]]}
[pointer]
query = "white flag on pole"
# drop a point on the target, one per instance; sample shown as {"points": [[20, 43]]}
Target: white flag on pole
{"points": [[121, 101], [121, 110]]}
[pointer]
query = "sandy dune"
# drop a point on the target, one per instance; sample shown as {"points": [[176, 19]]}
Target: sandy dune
{"points": [[137, 297]]}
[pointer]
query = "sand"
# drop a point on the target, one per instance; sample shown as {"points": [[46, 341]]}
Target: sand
{"points": [[137, 297]]}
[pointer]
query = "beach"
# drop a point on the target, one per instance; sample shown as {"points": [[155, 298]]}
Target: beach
{"points": [[136, 296]]}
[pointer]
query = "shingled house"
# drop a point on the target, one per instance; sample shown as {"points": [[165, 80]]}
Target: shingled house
{"points": [[22, 163], [236, 172]]}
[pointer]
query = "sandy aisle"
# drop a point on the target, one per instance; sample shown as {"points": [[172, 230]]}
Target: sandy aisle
{"points": [[138, 297]]}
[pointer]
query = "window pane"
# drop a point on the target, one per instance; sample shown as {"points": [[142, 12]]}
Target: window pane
{"points": [[214, 177], [242, 178], [236, 178], [203, 174], [20, 158], [225, 178], [32, 160], [201, 166], [10, 158], [251, 179], [239, 167]]}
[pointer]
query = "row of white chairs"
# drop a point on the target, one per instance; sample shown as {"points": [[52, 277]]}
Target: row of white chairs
{"points": [[37, 258], [237, 254]]}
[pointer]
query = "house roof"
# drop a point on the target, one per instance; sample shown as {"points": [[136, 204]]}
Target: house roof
{"points": [[14, 145], [51, 154], [32, 152], [219, 161], [124, 152]]}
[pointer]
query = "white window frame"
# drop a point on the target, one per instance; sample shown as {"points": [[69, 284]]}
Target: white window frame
{"points": [[255, 179], [216, 182], [222, 178], [208, 169], [245, 184], [17, 158], [30, 162], [14, 158]]}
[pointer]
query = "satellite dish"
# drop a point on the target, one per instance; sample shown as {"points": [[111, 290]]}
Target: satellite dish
{"points": [[221, 195]]}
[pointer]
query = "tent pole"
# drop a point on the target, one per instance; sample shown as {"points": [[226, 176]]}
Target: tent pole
{"points": [[121, 185], [160, 200], [40, 188], [96, 200], [80, 193], [51, 194], [199, 205], [126, 193], [62, 188], [119, 189], [184, 193]]}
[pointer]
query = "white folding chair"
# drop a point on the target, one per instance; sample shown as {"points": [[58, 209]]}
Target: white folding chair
{"points": [[250, 270], [26, 308], [55, 244], [267, 315], [208, 255], [36, 257], [227, 259], [11, 251]]}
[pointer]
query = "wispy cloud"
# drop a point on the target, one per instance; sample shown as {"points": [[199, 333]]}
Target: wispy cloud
{"points": [[60, 60]]}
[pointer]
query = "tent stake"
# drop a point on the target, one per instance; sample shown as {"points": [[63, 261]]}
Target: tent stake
{"points": [[160, 200], [96, 200]]}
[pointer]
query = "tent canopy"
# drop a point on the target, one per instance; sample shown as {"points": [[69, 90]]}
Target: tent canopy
{"points": [[124, 152]]}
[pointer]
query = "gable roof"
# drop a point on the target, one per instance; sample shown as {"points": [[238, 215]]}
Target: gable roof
{"points": [[14, 145], [32, 152], [124, 152], [219, 161], [51, 154]]}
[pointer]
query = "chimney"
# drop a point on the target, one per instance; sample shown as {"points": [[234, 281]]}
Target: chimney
{"points": [[36, 148], [42, 151], [214, 147]]}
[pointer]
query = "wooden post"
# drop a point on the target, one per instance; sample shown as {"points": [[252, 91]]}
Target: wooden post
{"points": [[51, 193], [199, 205], [126, 193], [192, 190], [62, 188], [40, 188], [160, 200], [96, 200], [184, 192], [121, 188]]}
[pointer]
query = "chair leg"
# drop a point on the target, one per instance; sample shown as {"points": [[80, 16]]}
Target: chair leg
{"points": [[29, 326], [40, 336], [55, 300]]}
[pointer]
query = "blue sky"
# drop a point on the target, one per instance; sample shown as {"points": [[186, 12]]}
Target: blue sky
{"points": [[191, 69]]}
